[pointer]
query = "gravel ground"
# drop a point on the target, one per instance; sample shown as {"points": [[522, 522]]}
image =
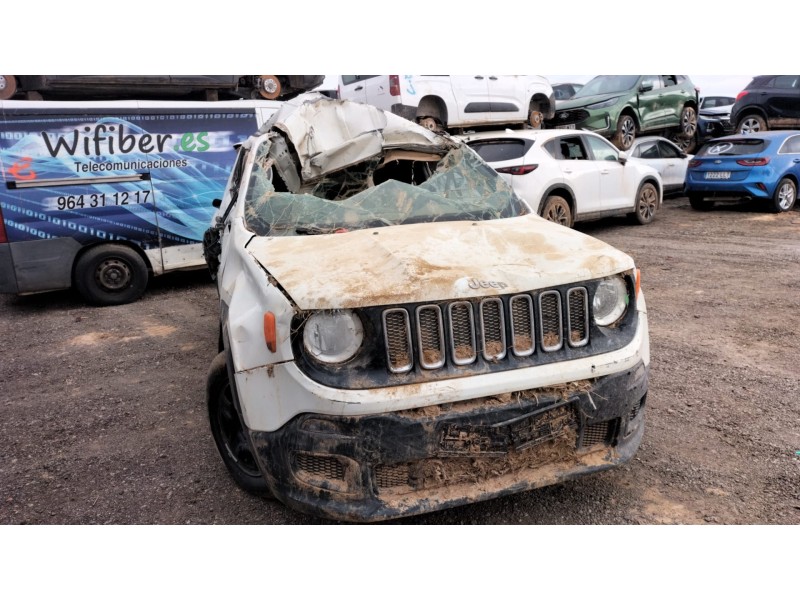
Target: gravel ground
{"points": [[102, 415]]}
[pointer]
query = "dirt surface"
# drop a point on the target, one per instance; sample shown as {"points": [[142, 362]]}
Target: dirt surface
{"points": [[102, 413]]}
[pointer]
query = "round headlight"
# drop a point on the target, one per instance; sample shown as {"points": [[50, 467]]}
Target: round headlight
{"points": [[333, 336], [610, 301]]}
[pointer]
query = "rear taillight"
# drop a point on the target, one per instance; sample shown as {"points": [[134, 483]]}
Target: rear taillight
{"points": [[694, 163], [741, 95], [394, 85], [3, 236], [523, 170], [753, 162]]}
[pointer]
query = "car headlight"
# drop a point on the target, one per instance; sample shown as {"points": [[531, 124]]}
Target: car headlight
{"points": [[604, 103], [610, 301], [333, 336]]}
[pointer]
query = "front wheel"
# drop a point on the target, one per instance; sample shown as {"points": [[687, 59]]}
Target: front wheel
{"points": [[646, 204], [557, 210], [111, 274], [229, 434], [751, 124], [626, 132], [785, 195]]}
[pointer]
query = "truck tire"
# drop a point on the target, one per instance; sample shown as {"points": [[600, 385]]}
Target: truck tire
{"points": [[110, 274], [229, 434]]}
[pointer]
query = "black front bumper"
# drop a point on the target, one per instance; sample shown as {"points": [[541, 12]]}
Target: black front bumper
{"points": [[372, 468]]}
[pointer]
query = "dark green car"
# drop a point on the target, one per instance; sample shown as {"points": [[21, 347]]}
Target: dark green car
{"points": [[620, 107]]}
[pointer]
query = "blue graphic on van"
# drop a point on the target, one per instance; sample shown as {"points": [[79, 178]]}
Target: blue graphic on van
{"points": [[147, 178]]}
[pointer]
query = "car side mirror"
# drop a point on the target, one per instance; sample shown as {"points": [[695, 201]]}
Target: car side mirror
{"points": [[622, 158], [646, 86], [683, 155], [216, 203]]}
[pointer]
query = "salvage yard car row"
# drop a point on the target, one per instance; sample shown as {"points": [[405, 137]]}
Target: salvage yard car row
{"points": [[397, 323]]}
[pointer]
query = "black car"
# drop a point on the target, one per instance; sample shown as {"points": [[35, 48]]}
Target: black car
{"points": [[714, 117], [207, 87], [768, 102]]}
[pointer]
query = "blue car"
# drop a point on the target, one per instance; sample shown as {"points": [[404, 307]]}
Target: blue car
{"points": [[758, 166]]}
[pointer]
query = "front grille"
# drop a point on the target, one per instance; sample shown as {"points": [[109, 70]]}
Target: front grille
{"points": [[325, 467], [459, 332], [389, 476], [596, 433], [570, 117]]}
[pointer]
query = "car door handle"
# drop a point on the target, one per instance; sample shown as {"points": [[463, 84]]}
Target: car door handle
{"points": [[493, 78], [478, 76], [359, 88], [604, 172], [796, 160]]}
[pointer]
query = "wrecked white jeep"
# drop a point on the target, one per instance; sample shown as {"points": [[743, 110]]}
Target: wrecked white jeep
{"points": [[400, 333]]}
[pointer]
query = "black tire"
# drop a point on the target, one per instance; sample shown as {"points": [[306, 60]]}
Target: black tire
{"points": [[688, 122], [646, 205], [229, 434], [8, 86], [557, 210], [269, 86], [626, 132], [687, 145], [700, 203], [751, 124], [785, 196], [111, 274]]}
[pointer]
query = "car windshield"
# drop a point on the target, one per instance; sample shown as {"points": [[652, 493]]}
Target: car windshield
{"points": [[607, 84], [458, 187], [734, 147]]}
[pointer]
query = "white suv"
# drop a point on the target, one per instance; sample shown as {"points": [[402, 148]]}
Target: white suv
{"points": [[455, 101], [400, 333]]}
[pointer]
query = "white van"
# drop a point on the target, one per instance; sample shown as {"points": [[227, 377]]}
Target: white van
{"points": [[455, 101], [102, 195]]}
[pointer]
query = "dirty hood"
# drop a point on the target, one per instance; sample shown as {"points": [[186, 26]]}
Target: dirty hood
{"points": [[432, 261], [585, 101]]}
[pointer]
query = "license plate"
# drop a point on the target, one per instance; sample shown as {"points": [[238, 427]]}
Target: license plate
{"points": [[718, 175], [565, 126]]}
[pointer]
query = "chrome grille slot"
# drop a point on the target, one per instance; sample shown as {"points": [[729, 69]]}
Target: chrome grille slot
{"points": [[462, 333], [431, 336], [397, 334], [578, 317], [522, 338], [493, 328], [550, 321]]}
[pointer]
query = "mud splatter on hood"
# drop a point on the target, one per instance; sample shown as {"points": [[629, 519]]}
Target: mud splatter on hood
{"points": [[433, 261]]}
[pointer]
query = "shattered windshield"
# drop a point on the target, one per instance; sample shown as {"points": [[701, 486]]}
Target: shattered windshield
{"points": [[380, 192]]}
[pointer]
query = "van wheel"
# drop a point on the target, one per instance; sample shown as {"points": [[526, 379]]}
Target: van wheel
{"points": [[430, 123], [111, 274], [557, 210], [8, 86], [269, 86], [229, 434]]}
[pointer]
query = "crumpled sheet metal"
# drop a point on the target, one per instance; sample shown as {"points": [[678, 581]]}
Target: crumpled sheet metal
{"points": [[329, 135]]}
